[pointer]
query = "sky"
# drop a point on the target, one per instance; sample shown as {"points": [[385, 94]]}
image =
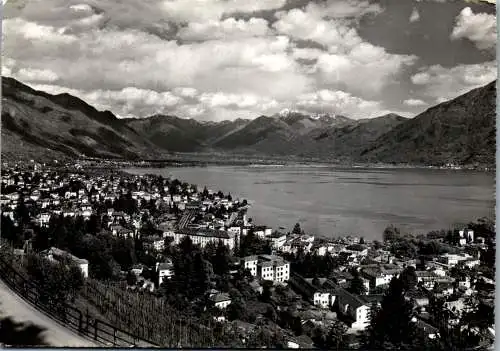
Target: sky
{"points": [[227, 59]]}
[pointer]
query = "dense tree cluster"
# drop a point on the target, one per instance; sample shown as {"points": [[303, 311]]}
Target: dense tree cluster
{"points": [[311, 264], [57, 282]]}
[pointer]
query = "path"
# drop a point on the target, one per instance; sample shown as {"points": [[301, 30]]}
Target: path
{"points": [[12, 305]]}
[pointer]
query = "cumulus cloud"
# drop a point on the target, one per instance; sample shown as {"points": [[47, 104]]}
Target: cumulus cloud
{"points": [[479, 28], [415, 15], [185, 11], [350, 9], [414, 102], [439, 82], [206, 59], [338, 102], [367, 69], [229, 28], [37, 75], [359, 65]]}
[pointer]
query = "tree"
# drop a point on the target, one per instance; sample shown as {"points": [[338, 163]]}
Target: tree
{"points": [[297, 229], [266, 291], [391, 233], [236, 310], [131, 278], [221, 260], [391, 326], [336, 337], [357, 285], [57, 282], [408, 278], [362, 241], [271, 314]]}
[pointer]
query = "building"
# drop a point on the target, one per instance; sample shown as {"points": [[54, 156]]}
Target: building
{"points": [[202, 236], [452, 260], [380, 275], [165, 271], [355, 308], [262, 231], [56, 254], [221, 300], [278, 240], [274, 268], [250, 263], [267, 267]]}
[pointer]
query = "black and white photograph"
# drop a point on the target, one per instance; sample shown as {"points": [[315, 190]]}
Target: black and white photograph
{"points": [[248, 174]]}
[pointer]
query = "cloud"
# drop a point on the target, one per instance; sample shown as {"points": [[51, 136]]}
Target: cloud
{"points": [[229, 28], [479, 28], [441, 83], [367, 68], [210, 59], [415, 16], [129, 99], [37, 75], [414, 102], [348, 60], [338, 102], [350, 9], [185, 11]]}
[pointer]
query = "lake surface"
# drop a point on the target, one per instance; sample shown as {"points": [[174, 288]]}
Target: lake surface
{"points": [[333, 202]]}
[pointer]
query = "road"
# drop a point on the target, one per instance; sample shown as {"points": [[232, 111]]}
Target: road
{"points": [[12, 305]]}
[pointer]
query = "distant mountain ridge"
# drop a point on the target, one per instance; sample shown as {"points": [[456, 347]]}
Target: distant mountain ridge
{"points": [[36, 123]]}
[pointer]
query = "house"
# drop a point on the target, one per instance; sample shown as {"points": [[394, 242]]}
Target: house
{"points": [[380, 275], [467, 234], [355, 308], [274, 268], [250, 263], [323, 299], [202, 237], [278, 240], [262, 231], [165, 271], [56, 254], [221, 300], [300, 342], [452, 260], [425, 328], [357, 249], [137, 269]]}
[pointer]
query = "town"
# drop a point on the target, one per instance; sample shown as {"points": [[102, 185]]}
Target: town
{"points": [[196, 253]]}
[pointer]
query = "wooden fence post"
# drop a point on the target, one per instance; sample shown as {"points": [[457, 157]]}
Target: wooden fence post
{"points": [[95, 328], [80, 322]]}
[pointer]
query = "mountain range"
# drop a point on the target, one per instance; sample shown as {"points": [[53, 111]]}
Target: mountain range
{"points": [[38, 125]]}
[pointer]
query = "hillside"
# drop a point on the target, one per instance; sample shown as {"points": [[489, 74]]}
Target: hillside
{"points": [[35, 123], [176, 134], [39, 125], [460, 131]]}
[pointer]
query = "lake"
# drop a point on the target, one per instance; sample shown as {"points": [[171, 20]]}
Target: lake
{"points": [[332, 201]]}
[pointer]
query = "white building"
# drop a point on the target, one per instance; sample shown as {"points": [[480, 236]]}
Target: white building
{"points": [[354, 307], [221, 300], [262, 231], [275, 268], [453, 259], [165, 271], [278, 240], [250, 263], [203, 236], [323, 299]]}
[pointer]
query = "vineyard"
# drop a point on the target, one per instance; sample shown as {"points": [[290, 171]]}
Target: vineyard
{"points": [[149, 317], [137, 313]]}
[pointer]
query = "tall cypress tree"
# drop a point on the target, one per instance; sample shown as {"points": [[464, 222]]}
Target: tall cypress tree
{"points": [[391, 327]]}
